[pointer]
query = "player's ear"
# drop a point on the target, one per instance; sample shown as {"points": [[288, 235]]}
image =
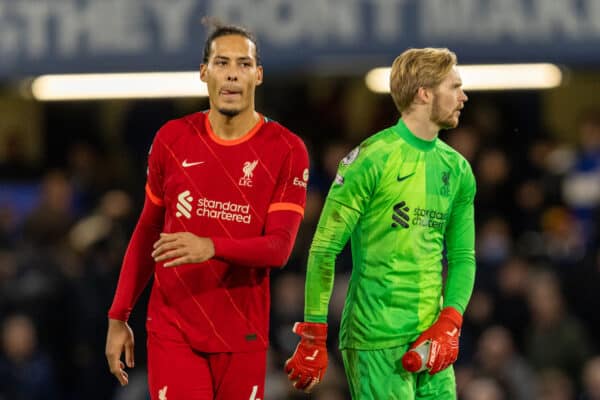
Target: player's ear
{"points": [[203, 72], [424, 95], [259, 75]]}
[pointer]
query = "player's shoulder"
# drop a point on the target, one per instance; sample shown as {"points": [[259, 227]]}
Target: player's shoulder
{"points": [[275, 131], [174, 129], [381, 139], [378, 145], [370, 154]]}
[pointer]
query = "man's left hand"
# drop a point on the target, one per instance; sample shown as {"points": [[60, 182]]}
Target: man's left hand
{"points": [[443, 335], [182, 248]]}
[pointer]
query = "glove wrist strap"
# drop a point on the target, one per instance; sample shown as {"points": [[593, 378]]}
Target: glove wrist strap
{"points": [[450, 313]]}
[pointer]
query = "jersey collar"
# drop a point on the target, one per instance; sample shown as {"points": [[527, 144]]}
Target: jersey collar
{"points": [[249, 135], [414, 141]]}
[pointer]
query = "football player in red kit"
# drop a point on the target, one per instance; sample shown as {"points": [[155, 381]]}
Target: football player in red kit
{"points": [[225, 195]]}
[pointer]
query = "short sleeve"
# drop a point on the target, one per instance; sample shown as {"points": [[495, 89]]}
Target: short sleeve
{"points": [[292, 181]]}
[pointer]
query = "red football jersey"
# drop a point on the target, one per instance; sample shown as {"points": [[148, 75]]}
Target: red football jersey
{"points": [[217, 188]]}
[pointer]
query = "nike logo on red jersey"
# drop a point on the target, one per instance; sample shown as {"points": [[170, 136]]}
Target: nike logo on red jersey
{"points": [[186, 164]]}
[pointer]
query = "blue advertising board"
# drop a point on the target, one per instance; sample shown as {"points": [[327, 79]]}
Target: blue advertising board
{"points": [[339, 36]]}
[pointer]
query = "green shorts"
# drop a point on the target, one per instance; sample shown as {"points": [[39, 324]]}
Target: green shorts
{"points": [[378, 374]]}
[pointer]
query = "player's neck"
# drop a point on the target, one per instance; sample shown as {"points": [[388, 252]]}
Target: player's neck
{"points": [[421, 127], [232, 128]]}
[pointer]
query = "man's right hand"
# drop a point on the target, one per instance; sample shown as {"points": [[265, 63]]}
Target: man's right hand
{"points": [[308, 364], [119, 340]]}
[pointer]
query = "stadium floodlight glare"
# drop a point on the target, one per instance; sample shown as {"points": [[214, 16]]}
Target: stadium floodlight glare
{"points": [[486, 77], [118, 86]]}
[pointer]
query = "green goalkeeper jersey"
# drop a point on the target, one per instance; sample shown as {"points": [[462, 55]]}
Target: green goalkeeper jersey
{"points": [[401, 200]]}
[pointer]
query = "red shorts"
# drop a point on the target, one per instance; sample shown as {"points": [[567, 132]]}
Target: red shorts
{"points": [[177, 372]]}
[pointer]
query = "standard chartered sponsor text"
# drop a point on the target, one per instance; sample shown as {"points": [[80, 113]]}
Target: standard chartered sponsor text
{"points": [[223, 210], [429, 218]]}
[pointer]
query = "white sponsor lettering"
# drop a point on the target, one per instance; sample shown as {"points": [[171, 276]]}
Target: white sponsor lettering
{"points": [[519, 20], [110, 26], [172, 19], [292, 21], [254, 392], [35, 19], [214, 209], [298, 182], [387, 13], [162, 393], [223, 210]]}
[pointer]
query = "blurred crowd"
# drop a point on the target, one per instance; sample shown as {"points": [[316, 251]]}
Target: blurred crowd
{"points": [[529, 330]]}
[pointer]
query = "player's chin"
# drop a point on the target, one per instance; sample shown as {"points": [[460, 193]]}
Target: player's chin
{"points": [[449, 124], [229, 111]]}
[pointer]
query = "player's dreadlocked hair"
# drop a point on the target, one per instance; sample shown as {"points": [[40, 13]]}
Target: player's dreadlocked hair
{"points": [[218, 29]]}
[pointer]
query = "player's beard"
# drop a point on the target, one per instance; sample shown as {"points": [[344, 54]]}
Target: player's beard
{"points": [[447, 121], [229, 112]]}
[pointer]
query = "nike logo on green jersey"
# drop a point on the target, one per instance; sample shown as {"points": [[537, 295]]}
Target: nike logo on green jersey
{"points": [[401, 178]]}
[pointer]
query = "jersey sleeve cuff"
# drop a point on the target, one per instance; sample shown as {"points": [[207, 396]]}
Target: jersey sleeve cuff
{"points": [[322, 319], [286, 207], [119, 315]]}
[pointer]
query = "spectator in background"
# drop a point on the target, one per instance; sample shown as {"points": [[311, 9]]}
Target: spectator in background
{"points": [[555, 338], [494, 247], [511, 309], [26, 372], [494, 186], [48, 224], [529, 201], [554, 384], [477, 318], [581, 187], [325, 170], [466, 140], [591, 379], [498, 359], [14, 163], [483, 389], [563, 238]]}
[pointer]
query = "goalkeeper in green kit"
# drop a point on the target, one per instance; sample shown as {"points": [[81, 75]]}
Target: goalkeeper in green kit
{"points": [[401, 196]]}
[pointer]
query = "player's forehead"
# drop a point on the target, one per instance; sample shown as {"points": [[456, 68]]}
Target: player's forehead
{"points": [[232, 46], [452, 78]]}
